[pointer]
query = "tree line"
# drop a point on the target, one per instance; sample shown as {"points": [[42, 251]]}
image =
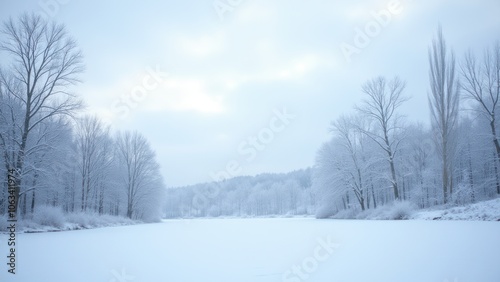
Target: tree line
{"points": [[261, 195], [58, 156], [375, 157]]}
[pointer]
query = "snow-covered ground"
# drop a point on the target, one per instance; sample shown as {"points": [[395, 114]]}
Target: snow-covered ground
{"points": [[237, 250], [487, 210]]}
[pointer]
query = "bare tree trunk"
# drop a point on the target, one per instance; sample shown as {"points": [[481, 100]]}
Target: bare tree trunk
{"points": [[83, 194], [373, 196], [367, 200], [33, 193], [494, 133], [428, 196], [471, 178], [496, 156], [445, 179], [393, 178], [73, 199], [17, 190], [23, 208], [495, 167], [101, 200]]}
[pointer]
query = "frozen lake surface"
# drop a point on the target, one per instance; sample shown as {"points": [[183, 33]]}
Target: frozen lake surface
{"points": [[263, 250]]}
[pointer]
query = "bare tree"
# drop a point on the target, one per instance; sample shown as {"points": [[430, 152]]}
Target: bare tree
{"points": [[326, 180], [384, 98], [94, 158], [142, 179], [444, 105], [481, 83], [351, 139], [45, 61]]}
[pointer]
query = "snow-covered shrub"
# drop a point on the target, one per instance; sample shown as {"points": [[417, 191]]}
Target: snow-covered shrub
{"points": [[49, 216], [397, 210], [346, 214], [300, 210], [462, 194], [381, 212], [213, 211], [92, 220], [401, 210], [28, 224], [325, 211], [117, 220], [78, 218], [367, 214]]}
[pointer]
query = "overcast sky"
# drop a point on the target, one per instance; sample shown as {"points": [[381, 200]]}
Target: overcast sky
{"points": [[250, 86]]}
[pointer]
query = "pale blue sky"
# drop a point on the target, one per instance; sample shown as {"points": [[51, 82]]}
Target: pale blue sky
{"points": [[228, 77]]}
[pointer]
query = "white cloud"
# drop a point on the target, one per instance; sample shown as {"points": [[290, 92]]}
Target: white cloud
{"points": [[300, 67], [184, 94], [200, 46], [291, 70], [252, 12]]}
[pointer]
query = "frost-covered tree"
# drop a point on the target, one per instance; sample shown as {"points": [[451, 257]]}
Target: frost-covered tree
{"points": [[44, 63], [49, 149], [383, 99], [481, 83], [351, 139], [94, 159], [141, 178], [444, 100], [418, 157]]}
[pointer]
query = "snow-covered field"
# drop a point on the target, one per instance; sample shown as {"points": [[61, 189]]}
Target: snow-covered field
{"points": [[237, 250]]}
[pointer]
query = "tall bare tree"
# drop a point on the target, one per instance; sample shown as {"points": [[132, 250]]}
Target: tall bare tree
{"points": [[381, 104], [44, 62], [481, 83], [141, 178], [94, 158], [444, 105]]}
